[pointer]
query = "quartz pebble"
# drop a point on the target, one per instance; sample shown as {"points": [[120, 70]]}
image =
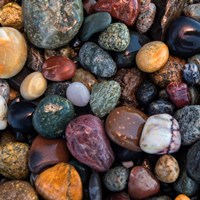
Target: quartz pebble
{"points": [[163, 128], [4, 89], [3, 113]]}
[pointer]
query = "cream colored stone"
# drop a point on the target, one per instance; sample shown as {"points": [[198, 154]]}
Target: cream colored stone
{"points": [[3, 113], [33, 86]]}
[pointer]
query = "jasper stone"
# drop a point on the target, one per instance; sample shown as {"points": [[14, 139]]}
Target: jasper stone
{"points": [[93, 148], [104, 97], [142, 183], [4, 89], [182, 37], [124, 126], [96, 60], [94, 23], [193, 11], [18, 190], [52, 115], [115, 38], [95, 188], [61, 181], [45, 153], [53, 27]]}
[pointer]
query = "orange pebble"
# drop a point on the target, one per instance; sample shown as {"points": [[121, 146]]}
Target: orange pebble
{"points": [[182, 197]]}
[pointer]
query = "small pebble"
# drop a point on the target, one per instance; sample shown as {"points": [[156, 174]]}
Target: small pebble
{"points": [[192, 11], [3, 113], [6, 137], [4, 89], [182, 197]]}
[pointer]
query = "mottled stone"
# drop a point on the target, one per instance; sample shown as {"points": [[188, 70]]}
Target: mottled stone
{"points": [[193, 11], [51, 25], [194, 95], [6, 137], [95, 188], [4, 89], [104, 97], [96, 60], [195, 59], [3, 113], [144, 5]]}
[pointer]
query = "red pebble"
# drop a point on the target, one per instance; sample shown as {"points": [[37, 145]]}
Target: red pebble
{"points": [[123, 10], [58, 68], [178, 94]]}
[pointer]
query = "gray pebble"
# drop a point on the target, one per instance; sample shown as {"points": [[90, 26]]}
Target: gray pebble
{"points": [[193, 11], [4, 89]]}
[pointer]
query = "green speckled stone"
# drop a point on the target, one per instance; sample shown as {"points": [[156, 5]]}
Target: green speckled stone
{"points": [[52, 115], [52, 24], [115, 38], [104, 97]]}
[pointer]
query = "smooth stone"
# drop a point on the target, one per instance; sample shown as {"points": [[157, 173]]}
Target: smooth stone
{"points": [[61, 181], [142, 183], [78, 94], [152, 56], [4, 89], [170, 72], [120, 196], [18, 190], [17, 153], [124, 126], [6, 137], [126, 59], [115, 38], [193, 11], [45, 153], [182, 197], [163, 128], [13, 95], [52, 115], [104, 97], [182, 37], [12, 43], [94, 23], [96, 60], [3, 113], [58, 68], [188, 119], [116, 179], [53, 27], [33, 86], [93, 148]]}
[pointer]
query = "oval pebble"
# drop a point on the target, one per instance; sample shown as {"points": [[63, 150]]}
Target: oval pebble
{"points": [[4, 89]]}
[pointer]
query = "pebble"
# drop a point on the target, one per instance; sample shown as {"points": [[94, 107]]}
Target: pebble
{"points": [[104, 97], [195, 59], [94, 23], [54, 24], [167, 169], [193, 11], [116, 179], [78, 94], [163, 128], [6, 137], [120, 196], [12, 43], [4, 89], [188, 119], [52, 115], [14, 160], [115, 38], [61, 181], [194, 95], [144, 5], [3, 113], [95, 187], [4, 2], [96, 60], [18, 190], [152, 56], [182, 197]]}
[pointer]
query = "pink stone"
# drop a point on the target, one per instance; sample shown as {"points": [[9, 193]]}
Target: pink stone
{"points": [[89, 5]]}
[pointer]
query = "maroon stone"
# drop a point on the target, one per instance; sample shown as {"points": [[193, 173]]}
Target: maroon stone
{"points": [[120, 196], [87, 142], [58, 68], [142, 183], [46, 152], [123, 10], [89, 5], [179, 94]]}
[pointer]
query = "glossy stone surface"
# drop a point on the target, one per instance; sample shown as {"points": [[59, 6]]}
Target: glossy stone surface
{"points": [[179, 94], [52, 115], [13, 190], [58, 68], [182, 37], [3, 113], [94, 23], [96, 60], [12, 44], [163, 128], [4, 89], [193, 11], [61, 181], [17, 153], [142, 183], [104, 97], [125, 11], [152, 56], [53, 27], [124, 126], [93, 148], [45, 153]]}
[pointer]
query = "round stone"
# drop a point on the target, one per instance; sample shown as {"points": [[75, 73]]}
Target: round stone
{"points": [[12, 45], [152, 56], [4, 89], [3, 113], [167, 169], [182, 197], [52, 115], [163, 128], [115, 38], [78, 94]]}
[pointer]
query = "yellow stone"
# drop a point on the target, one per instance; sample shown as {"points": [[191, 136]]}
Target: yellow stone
{"points": [[33, 86], [182, 197], [152, 56], [13, 52]]}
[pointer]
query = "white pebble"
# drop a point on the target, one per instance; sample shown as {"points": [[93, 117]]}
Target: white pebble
{"points": [[3, 113]]}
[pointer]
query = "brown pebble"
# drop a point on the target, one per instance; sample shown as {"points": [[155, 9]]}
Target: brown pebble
{"points": [[6, 137]]}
